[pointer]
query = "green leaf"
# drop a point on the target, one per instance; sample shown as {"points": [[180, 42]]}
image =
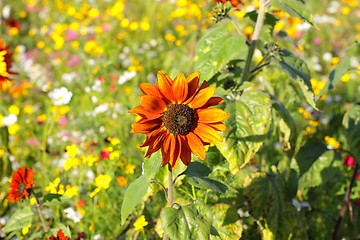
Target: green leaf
{"points": [[227, 221], [55, 199], [197, 176], [336, 74], [216, 49], [284, 36], [351, 123], [133, 196], [297, 69], [321, 170], [296, 8], [248, 125], [20, 219], [287, 125], [269, 23], [152, 165], [191, 222], [266, 197], [4, 137]]}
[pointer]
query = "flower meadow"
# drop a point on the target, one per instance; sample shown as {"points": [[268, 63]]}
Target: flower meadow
{"points": [[188, 119]]}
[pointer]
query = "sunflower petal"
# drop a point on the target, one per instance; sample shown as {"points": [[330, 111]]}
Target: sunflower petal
{"points": [[207, 134], [165, 150], [180, 88], [196, 145], [142, 112], [152, 137], [152, 103], [174, 160], [150, 89], [185, 151], [213, 101], [193, 83], [219, 126], [202, 97], [211, 115], [146, 126], [164, 84]]}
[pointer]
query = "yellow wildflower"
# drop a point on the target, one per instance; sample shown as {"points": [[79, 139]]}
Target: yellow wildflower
{"points": [[71, 150], [14, 110], [52, 188], [345, 77], [140, 223], [14, 128], [25, 230], [71, 162], [71, 191], [101, 182], [130, 169], [332, 142]]}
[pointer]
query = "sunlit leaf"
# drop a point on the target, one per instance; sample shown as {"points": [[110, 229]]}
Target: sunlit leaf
{"points": [[266, 197], [192, 222], [248, 125], [226, 221], [296, 8], [133, 196], [55, 199], [217, 48], [152, 165], [197, 176], [297, 69], [20, 219], [351, 122]]}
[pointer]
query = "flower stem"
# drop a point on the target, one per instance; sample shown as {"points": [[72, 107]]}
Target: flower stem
{"points": [[170, 192], [254, 40], [40, 215], [346, 202]]}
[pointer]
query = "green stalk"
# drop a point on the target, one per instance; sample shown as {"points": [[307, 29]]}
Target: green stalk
{"points": [[40, 215], [254, 40], [170, 192]]}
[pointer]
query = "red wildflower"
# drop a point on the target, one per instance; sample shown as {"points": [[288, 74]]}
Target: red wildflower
{"points": [[348, 161], [105, 154], [21, 183], [60, 236]]}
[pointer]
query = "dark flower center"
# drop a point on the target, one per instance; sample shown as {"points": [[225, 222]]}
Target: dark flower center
{"points": [[178, 119], [22, 187]]}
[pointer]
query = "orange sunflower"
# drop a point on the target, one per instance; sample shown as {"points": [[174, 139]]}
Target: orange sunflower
{"points": [[21, 183], [60, 236], [5, 65], [177, 119]]}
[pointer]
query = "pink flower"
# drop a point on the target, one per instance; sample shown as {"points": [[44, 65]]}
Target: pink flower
{"points": [[33, 142], [105, 154], [73, 61], [348, 161], [71, 35], [317, 40], [62, 121]]}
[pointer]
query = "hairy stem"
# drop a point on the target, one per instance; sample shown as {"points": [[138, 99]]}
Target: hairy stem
{"points": [[254, 40], [170, 193], [346, 203], [40, 215]]}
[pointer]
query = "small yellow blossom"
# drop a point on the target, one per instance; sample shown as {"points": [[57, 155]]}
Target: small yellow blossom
{"points": [[25, 230], [14, 110], [71, 191], [305, 113], [82, 211], [14, 128], [33, 200], [332, 142], [101, 182], [169, 37], [114, 141], [345, 10], [71, 150], [345, 77], [133, 26], [145, 26], [91, 159], [113, 155], [52, 188], [2, 151], [124, 23], [71, 162], [140, 223], [130, 169]]}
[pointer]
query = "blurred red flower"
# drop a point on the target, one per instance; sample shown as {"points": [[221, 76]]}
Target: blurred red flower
{"points": [[60, 236], [21, 183], [348, 161]]}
